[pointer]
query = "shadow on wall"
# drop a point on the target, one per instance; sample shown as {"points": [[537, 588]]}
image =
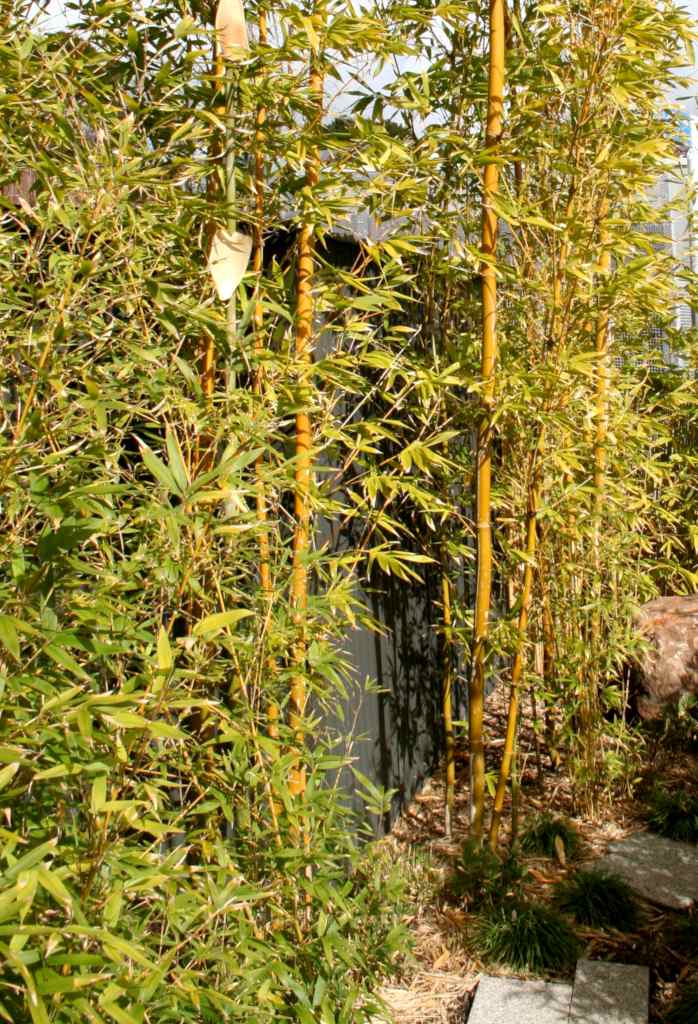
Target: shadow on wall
{"points": [[395, 735]]}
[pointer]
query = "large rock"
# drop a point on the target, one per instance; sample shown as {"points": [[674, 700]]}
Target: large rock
{"points": [[669, 667], [658, 869]]}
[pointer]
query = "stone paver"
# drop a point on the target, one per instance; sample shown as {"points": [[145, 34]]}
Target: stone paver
{"points": [[661, 870], [510, 1001], [610, 993]]}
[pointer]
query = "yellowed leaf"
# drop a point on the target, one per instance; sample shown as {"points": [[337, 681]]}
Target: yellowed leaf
{"points": [[441, 961]]}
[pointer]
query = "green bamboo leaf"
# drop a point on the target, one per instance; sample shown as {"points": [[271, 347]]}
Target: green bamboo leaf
{"points": [[177, 465], [165, 730], [8, 636], [99, 794], [37, 1007], [157, 828], [8, 773], [126, 719], [65, 660], [120, 948], [165, 658], [29, 859], [49, 981], [53, 885], [215, 623], [25, 890], [113, 905], [158, 468], [58, 770]]}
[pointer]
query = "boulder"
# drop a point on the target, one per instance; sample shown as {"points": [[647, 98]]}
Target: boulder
{"points": [[668, 668]]}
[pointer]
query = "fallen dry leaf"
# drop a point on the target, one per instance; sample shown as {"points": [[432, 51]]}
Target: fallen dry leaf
{"points": [[441, 961]]}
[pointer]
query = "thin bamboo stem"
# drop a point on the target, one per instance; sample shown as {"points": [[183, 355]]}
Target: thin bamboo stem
{"points": [[208, 355], [447, 694], [519, 658], [601, 399], [258, 322], [599, 497], [230, 189], [476, 695]]}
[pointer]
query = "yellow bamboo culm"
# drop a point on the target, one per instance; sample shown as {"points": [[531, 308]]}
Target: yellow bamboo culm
{"points": [[257, 266], [303, 456], [476, 695], [601, 424], [208, 354], [258, 321], [600, 439]]}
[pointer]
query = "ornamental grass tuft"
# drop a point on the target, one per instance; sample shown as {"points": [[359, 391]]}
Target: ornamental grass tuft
{"points": [[598, 898], [481, 879], [684, 936], [673, 814], [540, 834], [528, 937]]}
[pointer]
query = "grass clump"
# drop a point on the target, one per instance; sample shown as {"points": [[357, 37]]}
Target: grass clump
{"points": [[481, 879], [541, 832], [685, 936], [598, 898], [528, 937], [684, 1007], [673, 814]]}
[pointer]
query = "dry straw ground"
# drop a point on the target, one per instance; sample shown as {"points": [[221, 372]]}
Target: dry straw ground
{"points": [[438, 986]]}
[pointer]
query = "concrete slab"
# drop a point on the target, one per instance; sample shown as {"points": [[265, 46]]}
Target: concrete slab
{"points": [[510, 1001], [661, 870], [610, 993]]}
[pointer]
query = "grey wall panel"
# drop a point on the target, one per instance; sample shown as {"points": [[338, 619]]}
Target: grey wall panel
{"points": [[395, 735]]}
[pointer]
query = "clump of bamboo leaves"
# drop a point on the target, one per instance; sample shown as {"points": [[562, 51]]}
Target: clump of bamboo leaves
{"points": [[151, 863], [173, 602]]}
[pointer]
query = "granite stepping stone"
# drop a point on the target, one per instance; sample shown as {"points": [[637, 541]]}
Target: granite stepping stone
{"points": [[662, 870], [610, 993], [511, 1001]]}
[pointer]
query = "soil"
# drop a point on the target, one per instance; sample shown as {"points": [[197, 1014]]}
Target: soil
{"points": [[443, 975]]}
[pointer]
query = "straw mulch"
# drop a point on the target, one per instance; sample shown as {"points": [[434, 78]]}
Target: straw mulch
{"points": [[445, 974], [433, 997]]}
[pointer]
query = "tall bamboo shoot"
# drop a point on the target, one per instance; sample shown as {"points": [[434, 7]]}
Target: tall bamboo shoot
{"points": [[303, 446], [484, 440]]}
